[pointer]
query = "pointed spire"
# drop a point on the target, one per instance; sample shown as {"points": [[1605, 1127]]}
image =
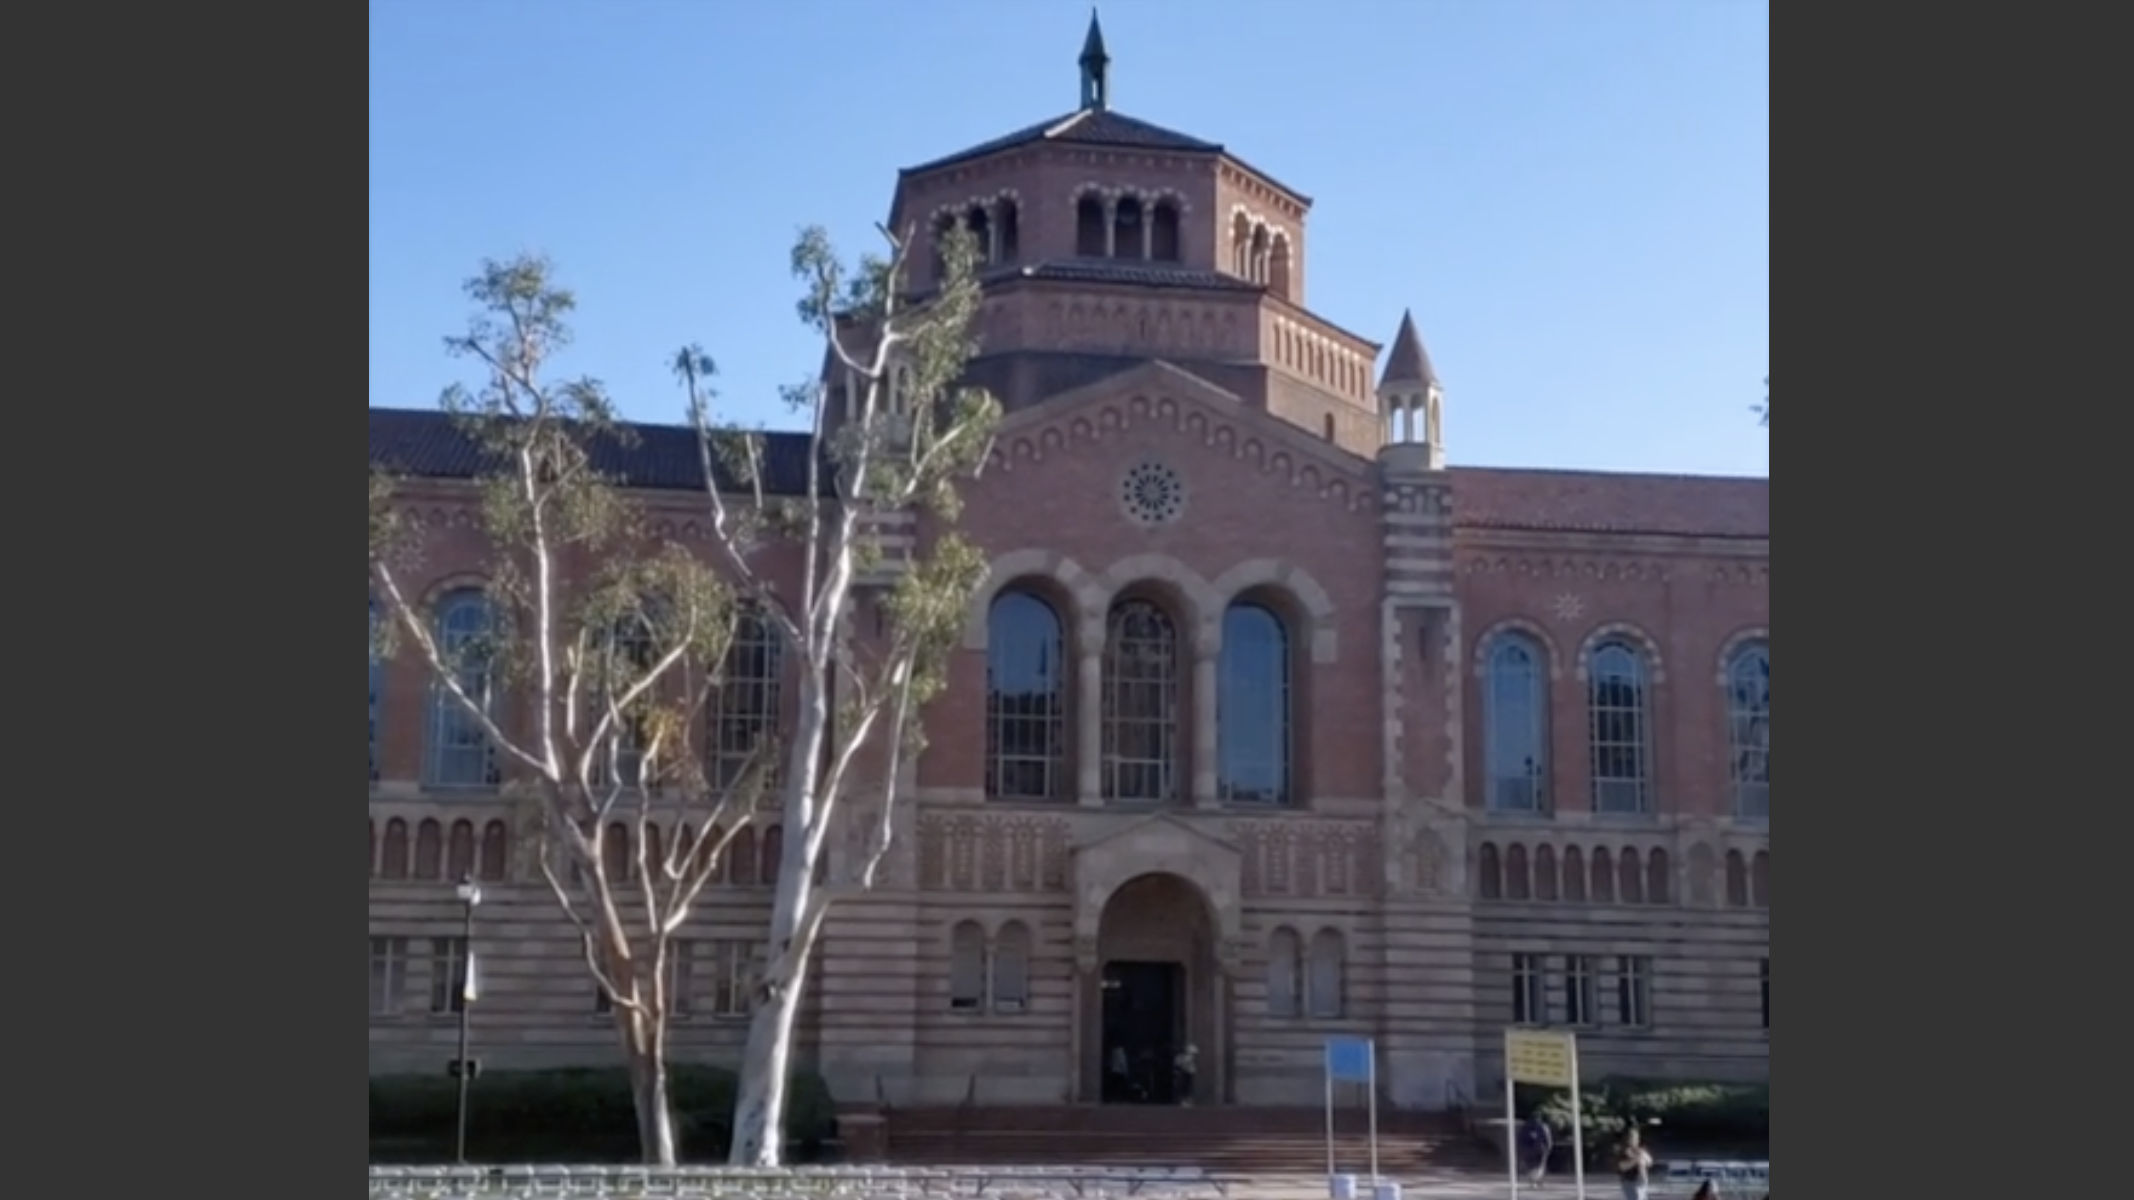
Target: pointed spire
{"points": [[1409, 363], [1096, 66]]}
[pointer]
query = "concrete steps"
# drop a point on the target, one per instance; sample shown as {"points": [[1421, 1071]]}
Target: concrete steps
{"points": [[1227, 1140]]}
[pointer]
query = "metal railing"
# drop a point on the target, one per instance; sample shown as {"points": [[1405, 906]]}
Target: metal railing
{"points": [[735, 1183]]}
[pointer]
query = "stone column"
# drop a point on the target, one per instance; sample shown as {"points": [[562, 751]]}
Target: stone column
{"points": [[1111, 226], [1207, 651], [992, 231], [1148, 231], [1089, 723]]}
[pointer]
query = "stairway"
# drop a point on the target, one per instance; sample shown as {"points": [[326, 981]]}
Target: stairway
{"points": [[1220, 1140]]}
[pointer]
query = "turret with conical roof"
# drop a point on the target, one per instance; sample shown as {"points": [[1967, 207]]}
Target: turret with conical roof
{"points": [[1412, 400]]}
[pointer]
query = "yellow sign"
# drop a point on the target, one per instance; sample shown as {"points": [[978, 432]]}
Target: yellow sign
{"points": [[1539, 1056]]}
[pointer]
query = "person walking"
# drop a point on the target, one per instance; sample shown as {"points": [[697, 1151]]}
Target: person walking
{"points": [[1633, 1165], [1535, 1145]]}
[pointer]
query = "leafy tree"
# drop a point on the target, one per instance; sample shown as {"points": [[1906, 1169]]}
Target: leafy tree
{"points": [[891, 429], [613, 638]]}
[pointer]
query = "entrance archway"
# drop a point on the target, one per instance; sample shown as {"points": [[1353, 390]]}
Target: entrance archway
{"points": [[1158, 987]]}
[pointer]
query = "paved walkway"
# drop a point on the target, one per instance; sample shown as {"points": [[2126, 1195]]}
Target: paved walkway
{"points": [[1457, 1187]]}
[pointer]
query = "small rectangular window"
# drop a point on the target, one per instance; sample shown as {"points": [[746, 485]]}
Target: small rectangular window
{"points": [[1633, 987], [1530, 997], [388, 973], [1581, 1004], [448, 974]]}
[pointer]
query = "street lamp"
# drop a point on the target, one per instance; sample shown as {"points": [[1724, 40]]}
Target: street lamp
{"points": [[470, 895]]}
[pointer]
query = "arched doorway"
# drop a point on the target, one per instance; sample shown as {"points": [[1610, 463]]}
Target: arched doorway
{"points": [[1158, 988]]}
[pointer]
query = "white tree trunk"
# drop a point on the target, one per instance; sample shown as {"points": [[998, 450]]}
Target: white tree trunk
{"points": [[648, 1085]]}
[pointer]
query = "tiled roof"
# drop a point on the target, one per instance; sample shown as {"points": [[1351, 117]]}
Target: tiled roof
{"points": [[1607, 502], [425, 443], [428, 444], [1409, 362], [1085, 127]]}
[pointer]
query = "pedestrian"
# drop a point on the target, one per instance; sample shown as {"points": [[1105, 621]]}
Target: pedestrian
{"points": [[1633, 1165], [1535, 1145], [1184, 1066]]}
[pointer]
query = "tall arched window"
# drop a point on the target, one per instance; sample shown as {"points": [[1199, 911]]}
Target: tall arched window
{"points": [[1323, 982], [1748, 710], [1011, 968], [966, 967], [1545, 876], [496, 851], [741, 859], [772, 856], [1515, 701], [1516, 876], [1010, 232], [743, 709], [1026, 700], [393, 861], [1620, 733], [1285, 963], [1574, 874], [617, 860], [1163, 232], [429, 850], [1659, 877], [1252, 707], [1489, 884], [459, 752], [459, 850], [1089, 227], [1737, 880], [377, 679], [1127, 228], [1140, 704]]}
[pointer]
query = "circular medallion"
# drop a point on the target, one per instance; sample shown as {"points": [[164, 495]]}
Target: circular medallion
{"points": [[1152, 493]]}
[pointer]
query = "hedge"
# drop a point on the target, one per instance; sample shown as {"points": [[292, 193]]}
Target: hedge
{"points": [[578, 1114], [1675, 1112]]}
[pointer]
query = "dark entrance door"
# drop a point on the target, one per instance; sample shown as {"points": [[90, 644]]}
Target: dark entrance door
{"points": [[1144, 1026]]}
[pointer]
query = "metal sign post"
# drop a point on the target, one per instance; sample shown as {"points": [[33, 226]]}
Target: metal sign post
{"points": [[1351, 1060], [1545, 1058]]}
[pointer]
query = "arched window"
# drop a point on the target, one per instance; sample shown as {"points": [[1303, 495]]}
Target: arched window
{"points": [[1241, 246], [632, 649], [1620, 734], [429, 850], [1659, 877], [1574, 875], [743, 709], [1127, 229], [1515, 700], [1257, 260], [980, 223], [1737, 880], [459, 851], [1544, 872], [1278, 270], [1026, 700], [1089, 227], [496, 851], [1011, 968], [772, 856], [459, 752], [1748, 710], [966, 967], [393, 863], [655, 859], [1515, 873], [1140, 704], [1252, 707], [1760, 879], [377, 680], [616, 858], [1600, 868], [741, 859], [1010, 232], [1163, 232], [711, 848], [1490, 871], [1285, 963], [1323, 980], [1630, 877]]}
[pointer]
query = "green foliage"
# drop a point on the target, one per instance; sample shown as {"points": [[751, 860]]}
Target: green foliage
{"points": [[574, 1114], [1676, 1111]]}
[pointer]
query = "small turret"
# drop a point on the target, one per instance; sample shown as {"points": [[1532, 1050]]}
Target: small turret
{"points": [[1096, 66], [1413, 401]]}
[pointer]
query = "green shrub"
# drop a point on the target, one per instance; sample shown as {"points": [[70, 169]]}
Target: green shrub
{"points": [[1678, 1112], [583, 1114]]}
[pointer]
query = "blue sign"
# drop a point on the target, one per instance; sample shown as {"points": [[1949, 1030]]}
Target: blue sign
{"points": [[1348, 1059]]}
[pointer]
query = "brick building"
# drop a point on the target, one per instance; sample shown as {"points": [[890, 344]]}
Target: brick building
{"points": [[1269, 724]]}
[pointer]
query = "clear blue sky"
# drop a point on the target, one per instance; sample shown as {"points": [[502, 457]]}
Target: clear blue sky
{"points": [[1573, 196]]}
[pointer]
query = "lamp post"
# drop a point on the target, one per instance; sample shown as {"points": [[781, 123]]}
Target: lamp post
{"points": [[470, 895]]}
